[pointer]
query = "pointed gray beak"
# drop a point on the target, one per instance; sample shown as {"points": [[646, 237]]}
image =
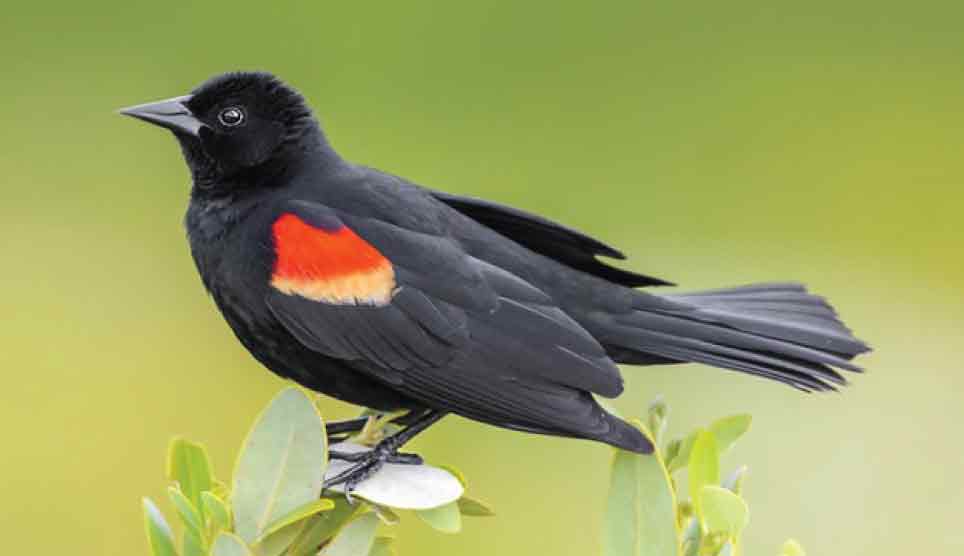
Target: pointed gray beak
{"points": [[172, 114]]}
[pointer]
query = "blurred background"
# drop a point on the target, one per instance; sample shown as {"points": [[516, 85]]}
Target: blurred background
{"points": [[717, 143]]}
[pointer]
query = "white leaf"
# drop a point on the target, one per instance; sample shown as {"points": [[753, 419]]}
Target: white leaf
{"points": [[407, 487]]}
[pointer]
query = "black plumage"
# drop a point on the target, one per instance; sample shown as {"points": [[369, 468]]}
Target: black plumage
{"points": [[493, 313]]}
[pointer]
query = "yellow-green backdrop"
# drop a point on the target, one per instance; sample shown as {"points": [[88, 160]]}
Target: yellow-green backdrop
{"points": [[716, 142]]}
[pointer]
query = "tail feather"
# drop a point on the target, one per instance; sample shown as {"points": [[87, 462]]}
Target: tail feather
{"points": [[777, 331]]}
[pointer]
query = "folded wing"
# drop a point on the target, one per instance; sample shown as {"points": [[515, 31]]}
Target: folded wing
{"points": [[419, 314]]}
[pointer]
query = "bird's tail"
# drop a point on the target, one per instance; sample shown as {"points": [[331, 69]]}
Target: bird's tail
{"points": [[778, 331]]}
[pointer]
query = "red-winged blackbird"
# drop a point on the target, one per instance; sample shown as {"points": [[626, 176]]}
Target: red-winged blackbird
{"points": [[379, 292]]}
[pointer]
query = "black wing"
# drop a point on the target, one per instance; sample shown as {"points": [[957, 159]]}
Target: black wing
{"points": [[462, 335], [568, 246]]}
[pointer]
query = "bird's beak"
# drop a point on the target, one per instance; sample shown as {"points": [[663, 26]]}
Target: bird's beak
{"points": [[172, 114]]}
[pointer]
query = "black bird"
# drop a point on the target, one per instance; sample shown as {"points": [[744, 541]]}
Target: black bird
{"points": [[380, 292]]}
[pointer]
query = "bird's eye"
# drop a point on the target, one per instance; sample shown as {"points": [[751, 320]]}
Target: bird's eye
{"points": [[231, 117]]}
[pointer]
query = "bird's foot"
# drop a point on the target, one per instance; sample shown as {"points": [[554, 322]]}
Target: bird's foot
{"points": [[367, 464], [400, 458]]}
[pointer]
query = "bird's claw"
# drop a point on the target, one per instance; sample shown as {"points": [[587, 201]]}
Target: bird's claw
{"points": [[399, 458], [367, 464]]}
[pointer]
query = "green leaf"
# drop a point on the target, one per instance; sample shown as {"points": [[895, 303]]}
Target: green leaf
{"points": [[188, 464], [472, 507], [192, 546], [704, 469], [728, 429], [217, 512], [382, 547], [303, 512], [727, 550], [692, 538], [446, 519], [386, 515], [682, 453], [792, 548], [281, 465], [321, 527], [187, 512], [724, 511], [158, 531], [277, 542], [228, 544], [641, 508], [356, 538]]}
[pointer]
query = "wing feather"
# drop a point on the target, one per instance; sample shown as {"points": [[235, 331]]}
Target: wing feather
{"points": [[566, 245], [460, 334]]}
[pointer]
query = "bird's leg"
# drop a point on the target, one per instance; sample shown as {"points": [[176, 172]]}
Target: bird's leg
{"points": [[368, 463], [338, 431]]}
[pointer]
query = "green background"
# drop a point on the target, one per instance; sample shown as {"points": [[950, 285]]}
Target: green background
{"points": [[718, 143]]}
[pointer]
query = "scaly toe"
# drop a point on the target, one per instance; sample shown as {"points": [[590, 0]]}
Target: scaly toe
{"points": [[405, 459], [353, 457]]}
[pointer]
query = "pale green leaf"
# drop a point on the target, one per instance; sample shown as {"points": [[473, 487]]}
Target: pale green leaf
{"points": [[382, 547], [472, 507], [727, 550], [728, 429], [321, 527], [158, 531], [228, 544], [724, 511], [281, 465], [355, 539], [217, 512], [188, 464], [792, 548], [640, 509], [192, 545], [186, 511], [386, 515], [713, 543], [692, 538], [682, 453], [277, 542], [446, 519], [300, 513], [703, 469]]}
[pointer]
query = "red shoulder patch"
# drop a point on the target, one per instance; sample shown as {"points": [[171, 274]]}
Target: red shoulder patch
{"points": [[332, 266]]}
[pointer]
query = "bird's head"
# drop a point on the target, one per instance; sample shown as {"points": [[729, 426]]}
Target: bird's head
{"points": [[235, 122]]}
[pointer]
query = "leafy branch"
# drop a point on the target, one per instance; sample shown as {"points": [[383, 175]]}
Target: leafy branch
{"points": [[276, 506], [648, 515]]}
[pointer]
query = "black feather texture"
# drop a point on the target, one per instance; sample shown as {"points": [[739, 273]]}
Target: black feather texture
{"points": [[777, 331], [487, 311], [568, 246]]}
